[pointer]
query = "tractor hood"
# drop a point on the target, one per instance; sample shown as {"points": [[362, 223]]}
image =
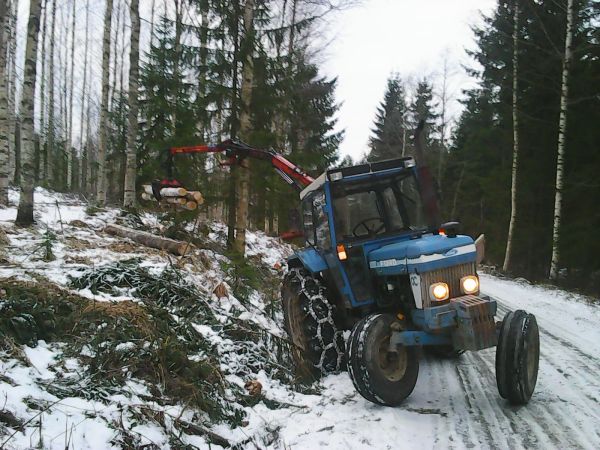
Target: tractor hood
{"points": [[430, 252]]}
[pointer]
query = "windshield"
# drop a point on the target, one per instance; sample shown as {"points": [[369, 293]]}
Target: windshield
{"points": [[377, 206]]}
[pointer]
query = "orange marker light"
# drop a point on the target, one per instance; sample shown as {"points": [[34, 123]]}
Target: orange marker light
{"points": [[341, 251], [442, 232]]}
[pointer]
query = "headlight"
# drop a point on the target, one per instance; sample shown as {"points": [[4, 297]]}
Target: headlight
{"points": [[439, 292], [469, 284]]}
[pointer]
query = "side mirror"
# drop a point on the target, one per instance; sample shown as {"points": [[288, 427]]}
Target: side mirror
{"points": [[450, 228]]}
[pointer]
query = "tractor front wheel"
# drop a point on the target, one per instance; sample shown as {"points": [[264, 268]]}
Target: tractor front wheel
{"points": [[517, 357], [380, 376], [309, 318]]}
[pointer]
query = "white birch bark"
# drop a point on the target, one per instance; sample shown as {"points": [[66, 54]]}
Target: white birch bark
{"points": [[562, 132], [134, 59], [43, 163], [4, 125], [50, 170], [152, 7], [25, 211], [239, 244], [101, 176], [11, 87], [515, 162], [71, 148], [83, 160]]}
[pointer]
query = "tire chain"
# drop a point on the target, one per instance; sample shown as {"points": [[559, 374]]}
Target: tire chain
{"points": [[321, 313]]}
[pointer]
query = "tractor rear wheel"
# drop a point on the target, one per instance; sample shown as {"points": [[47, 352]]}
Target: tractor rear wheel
{"points": [[380, 376], [517, 357], [309, 319]]}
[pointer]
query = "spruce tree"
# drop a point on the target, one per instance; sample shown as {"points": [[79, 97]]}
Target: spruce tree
{"points": [[390, 133], [423, 107]]}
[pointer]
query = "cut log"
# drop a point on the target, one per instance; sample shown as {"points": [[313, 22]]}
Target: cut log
{"points": [[175, 200], [149, 240], [166, 192], [195, 196], [189, 205], [148, 197]]}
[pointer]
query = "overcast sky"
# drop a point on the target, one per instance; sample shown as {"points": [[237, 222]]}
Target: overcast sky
{"points": [[411, 37], [366, 44]]}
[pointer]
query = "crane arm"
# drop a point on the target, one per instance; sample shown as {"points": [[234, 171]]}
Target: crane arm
{"points": [[236, 151]]}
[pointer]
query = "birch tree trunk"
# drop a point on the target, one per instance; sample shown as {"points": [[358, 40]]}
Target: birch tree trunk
{"points": [[152, 8], [43, 160], [25, 211], [515, 162], [12, 82], [562, 132], [239, 244], [101, 177], [62, 158], [71, 148], [4, 126], [134, 60], [50, 169], [82, 150]]}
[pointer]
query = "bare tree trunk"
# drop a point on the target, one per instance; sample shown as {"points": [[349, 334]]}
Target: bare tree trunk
{"points": [[12, 83], [44, 159], [239, 244], [62, 63], [444, 99], [457, 191], [231, 200], [134, 60], [115, 52], [82, 156], [4, 125], [178, 4], [515, 163], [101, 176], [50, 170], [25, 211], [562, 132], [71, 148], [152, 8], [89, 168]]}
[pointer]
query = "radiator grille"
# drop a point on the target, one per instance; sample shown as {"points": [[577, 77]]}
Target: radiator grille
{"points": [[449, 275]]}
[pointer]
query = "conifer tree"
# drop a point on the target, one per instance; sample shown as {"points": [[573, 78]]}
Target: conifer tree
{"points": [[389, 135], [423, 107]]}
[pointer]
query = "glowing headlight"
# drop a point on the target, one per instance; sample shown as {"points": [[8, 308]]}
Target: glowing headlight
{"points": [[469, 284], [439, 292]]}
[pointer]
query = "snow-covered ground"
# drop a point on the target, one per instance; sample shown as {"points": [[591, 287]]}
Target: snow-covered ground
{"points": [[454, 405]]}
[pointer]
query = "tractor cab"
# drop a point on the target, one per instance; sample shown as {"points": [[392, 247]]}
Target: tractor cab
{"points": [[369, 226]]}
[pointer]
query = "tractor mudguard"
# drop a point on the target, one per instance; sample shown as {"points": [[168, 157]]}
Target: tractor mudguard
{"points": [[308, 258]]}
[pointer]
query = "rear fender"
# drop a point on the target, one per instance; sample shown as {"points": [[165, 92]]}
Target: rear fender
{"points": [[310, 259]]}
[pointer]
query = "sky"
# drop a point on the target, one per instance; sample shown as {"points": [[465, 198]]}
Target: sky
{"points": [[365, 44], [411, 37]]}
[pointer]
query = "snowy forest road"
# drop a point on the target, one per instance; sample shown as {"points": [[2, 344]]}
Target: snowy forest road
{"points": [[456, 403]]}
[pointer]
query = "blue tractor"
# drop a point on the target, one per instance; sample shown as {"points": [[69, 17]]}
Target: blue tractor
{"points": [[376, 263]]}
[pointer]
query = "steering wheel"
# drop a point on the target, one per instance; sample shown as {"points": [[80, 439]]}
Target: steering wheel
{"points": [[369, 230]]}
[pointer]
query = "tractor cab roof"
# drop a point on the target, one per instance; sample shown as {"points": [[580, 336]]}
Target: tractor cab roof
{"points": [[388, 167]]}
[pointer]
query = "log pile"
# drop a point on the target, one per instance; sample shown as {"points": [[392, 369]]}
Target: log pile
{"points": [[178, 197]]}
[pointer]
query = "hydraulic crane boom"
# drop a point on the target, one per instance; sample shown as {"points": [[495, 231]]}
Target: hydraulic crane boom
{"points": [[236, 151]]}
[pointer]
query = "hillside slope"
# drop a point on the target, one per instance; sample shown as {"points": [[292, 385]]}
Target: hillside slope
{"points": [[107, 344]]}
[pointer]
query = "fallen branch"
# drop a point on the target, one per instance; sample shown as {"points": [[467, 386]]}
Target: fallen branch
{"points": [[148, 239], [197, 429]]}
